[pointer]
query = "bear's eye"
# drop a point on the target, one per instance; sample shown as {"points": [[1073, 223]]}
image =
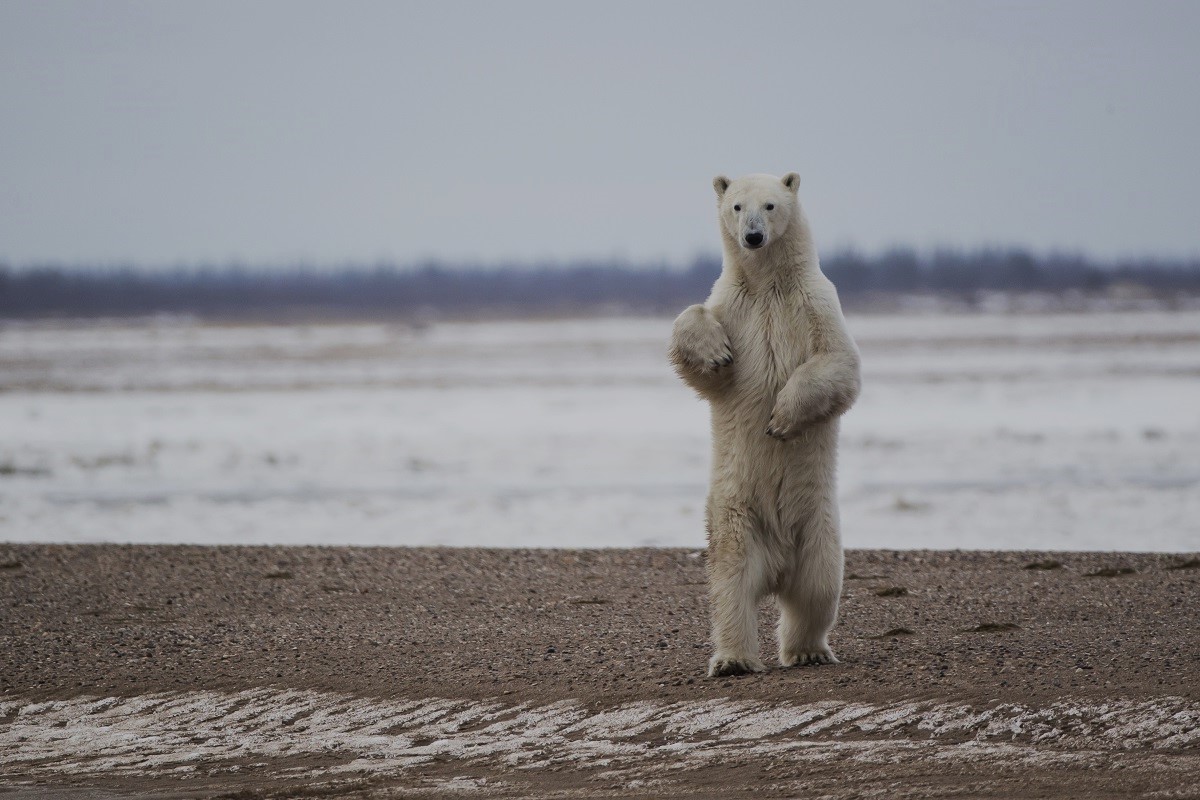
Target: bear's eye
{"points": [[737, 208], [770, 206]]}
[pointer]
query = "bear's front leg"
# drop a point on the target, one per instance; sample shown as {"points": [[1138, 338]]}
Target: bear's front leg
{"points": [[819, 389], [700, 349], [736, 582]]}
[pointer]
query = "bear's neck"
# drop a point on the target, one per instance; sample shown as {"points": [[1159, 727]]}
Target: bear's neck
{"points": [[782, 266]]}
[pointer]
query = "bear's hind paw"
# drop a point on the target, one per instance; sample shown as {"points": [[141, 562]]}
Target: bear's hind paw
{"points": [[807, 658], [721, 666]]}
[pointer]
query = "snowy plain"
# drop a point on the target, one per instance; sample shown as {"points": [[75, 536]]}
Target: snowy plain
{"points": [[974, 431]]}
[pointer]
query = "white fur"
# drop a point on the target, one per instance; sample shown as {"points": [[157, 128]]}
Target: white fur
{"points": [[770, 352]]}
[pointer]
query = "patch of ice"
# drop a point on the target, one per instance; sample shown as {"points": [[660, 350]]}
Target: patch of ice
{"points": [[970, 430]]}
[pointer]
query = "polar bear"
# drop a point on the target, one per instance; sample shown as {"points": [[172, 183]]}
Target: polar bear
{"points": [[770, 352]]}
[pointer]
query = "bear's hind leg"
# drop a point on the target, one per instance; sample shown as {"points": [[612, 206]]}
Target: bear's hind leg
{"points": [[737, 572], [808, 600]]}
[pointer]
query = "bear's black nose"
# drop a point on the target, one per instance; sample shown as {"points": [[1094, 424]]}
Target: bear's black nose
{"points": [[754, 239]]}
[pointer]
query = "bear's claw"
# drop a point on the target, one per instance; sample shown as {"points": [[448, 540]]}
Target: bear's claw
{"points": [[723, 360]]}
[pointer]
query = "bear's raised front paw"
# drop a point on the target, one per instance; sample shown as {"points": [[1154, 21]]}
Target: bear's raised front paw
{"points": [[721, 666], [710, 356], [783, 427], [699, 343], [804, 658]]}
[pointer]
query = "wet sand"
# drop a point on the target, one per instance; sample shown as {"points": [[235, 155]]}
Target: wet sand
{"points": [[581, 673]]}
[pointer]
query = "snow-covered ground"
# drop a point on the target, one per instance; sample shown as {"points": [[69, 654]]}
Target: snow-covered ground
{"points": [[1074, 432], [185, 734]]}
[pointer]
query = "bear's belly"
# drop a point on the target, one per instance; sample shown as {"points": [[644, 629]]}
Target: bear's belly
{"points": [[779, 482]]}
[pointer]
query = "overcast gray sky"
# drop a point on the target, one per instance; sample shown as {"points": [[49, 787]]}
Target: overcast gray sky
{"points": [[269, 132]]}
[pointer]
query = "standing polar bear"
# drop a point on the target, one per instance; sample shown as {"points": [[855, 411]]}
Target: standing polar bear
{"points": [[770, 352]]}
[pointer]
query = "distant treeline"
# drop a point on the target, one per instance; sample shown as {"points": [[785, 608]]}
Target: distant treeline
{"points": [[460, 290]]}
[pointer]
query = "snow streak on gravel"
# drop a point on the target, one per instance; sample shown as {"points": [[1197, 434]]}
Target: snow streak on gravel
{"points": [[212, 733]]}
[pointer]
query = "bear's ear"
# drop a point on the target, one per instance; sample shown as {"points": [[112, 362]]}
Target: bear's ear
{"points": [[792, 181], [720, 183]]}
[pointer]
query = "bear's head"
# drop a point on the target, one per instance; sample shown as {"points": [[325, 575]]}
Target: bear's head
{"points": [[757, 210]]}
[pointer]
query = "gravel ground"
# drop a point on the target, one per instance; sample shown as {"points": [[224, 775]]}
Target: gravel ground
{"points": [[603, 629]]}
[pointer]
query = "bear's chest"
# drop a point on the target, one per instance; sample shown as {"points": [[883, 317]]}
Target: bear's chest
{"points": [[770, 340]]}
